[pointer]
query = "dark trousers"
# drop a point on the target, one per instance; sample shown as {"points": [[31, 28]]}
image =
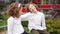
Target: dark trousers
{"points": [[24, 33], [39, 31]]}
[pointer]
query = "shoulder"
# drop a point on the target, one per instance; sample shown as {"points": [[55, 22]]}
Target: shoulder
{"points": [[26, 14], [10, 19], [41, 13]]}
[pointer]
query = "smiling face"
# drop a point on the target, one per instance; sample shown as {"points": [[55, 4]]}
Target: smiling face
{"points": [[32, 8]]}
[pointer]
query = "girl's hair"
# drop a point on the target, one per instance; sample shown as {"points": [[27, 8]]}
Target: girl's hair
{"points": [[27, 6], [13, 10]]}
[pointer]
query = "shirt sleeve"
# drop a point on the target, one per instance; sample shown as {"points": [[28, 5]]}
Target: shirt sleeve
{"points": [[10, 26], [43, 22], [25, 17]]}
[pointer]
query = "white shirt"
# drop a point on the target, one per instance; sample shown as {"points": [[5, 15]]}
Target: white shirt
{"points": [[14, 26], [36, 20]]}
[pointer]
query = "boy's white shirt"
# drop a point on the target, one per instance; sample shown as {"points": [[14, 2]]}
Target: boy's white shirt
{"points": [[35, 20], [14, 26]]}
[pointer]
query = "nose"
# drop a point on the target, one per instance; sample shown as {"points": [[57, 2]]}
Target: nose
{"points": [[32, 9]]}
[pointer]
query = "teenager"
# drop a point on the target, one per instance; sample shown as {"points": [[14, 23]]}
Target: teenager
{"points": [[36, 20]]}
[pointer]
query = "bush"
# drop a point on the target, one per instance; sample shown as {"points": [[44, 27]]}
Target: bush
{"points": [[25, 23], [53, 26], [3, 21]]}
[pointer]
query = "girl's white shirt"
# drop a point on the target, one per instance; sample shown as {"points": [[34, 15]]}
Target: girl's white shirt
{"points": [[15, 26], [35, 20]]}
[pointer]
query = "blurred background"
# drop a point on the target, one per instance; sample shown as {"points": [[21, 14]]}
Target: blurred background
{"points": [[51, 9]]}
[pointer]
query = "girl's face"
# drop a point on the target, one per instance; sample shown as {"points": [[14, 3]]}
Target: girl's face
{"points": [[32, 8], [20, 9]]}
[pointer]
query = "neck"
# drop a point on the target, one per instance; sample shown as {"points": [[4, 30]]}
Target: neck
{"points": [[36, 11]]}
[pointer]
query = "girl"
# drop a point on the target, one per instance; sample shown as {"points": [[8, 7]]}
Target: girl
{"points": [[36, 20], [14, 20]]}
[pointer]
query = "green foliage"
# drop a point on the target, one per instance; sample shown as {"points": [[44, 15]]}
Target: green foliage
{"points": [[3, 21], [53, 26], [25, 23]]}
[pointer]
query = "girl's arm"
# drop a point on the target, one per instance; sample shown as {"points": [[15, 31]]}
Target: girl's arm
{"points": [[25, 17], [43, 22], [10, 26]]}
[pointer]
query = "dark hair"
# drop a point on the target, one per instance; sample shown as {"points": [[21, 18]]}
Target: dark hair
{"points": [[13, 10]]}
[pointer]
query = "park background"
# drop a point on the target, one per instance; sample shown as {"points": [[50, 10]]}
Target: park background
{"points": [[51, 9]]}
